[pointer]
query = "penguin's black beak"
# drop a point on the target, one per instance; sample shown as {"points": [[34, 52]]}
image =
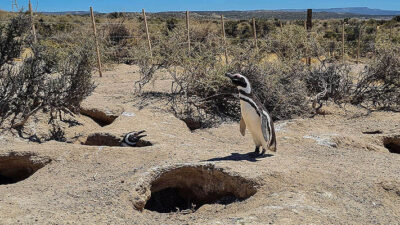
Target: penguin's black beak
{"points": [[142, 131]]}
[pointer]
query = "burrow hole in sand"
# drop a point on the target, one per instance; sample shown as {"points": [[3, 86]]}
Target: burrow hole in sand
{"points": [[192, 123], [190, 187], [392, 144], [105, 139], [16, 167], [100, 117]]}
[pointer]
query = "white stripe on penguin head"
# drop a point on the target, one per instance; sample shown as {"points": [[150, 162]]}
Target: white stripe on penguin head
{"points": [[127, 139], [247, 89]]}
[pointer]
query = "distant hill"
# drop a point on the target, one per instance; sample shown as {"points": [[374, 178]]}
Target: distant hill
{"points": [[68, 13], [268, 14], [284, 14], [361, 11], [265, 14], [295, 14], [353, 10]]}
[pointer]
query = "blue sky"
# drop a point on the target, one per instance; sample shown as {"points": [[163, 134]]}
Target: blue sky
{"points": [[180, 5]]}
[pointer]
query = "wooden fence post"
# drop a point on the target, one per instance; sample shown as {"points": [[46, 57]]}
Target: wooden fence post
{"points": [[96, 41], [224, 39], [309, 20], [358, 45], [343, 42], [188, 31], [308, 28], [32, 22], [255, 33], [147, 32]]}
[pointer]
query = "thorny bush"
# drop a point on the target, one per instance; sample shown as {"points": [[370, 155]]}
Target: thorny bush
{"points": [[378, 86], [202, 94], [53, 80]]}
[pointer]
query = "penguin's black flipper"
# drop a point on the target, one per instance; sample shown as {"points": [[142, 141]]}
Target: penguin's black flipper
{"points": [[268, 130]]}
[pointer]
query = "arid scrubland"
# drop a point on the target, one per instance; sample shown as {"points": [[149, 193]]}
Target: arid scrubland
{"points": [[61, 125]]}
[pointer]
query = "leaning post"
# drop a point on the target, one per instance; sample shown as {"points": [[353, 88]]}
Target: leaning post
{"points": [[224, 39], [96, 41], [308, 28], [343, 42], [32, 22], [188, 30], [255, 33], [358, 45], [147, 32]]}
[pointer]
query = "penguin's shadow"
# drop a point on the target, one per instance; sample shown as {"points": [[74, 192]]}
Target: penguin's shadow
{"points": [[250, 156]]}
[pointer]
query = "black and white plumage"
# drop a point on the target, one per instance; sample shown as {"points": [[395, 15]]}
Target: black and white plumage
{"points": [[254, 115], [132, 138]]}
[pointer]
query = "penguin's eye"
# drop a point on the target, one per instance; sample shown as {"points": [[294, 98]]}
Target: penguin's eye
{"points": [[240, 81]]}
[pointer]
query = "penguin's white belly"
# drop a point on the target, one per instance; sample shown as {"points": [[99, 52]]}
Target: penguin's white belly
{"points": [[253, 123]]}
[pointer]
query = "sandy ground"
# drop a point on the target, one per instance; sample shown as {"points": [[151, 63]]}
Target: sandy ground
{"points": [[331, 169]]}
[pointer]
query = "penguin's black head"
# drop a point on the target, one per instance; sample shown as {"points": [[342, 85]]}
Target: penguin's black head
{"points": [[238, 80]]}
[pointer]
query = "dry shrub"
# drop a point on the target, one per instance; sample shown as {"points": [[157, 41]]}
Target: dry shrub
{"points": [[201, 94], [11, 38], [280, 86], [294, 43], [117, 42], [47, 80], [333, 79], [196, 74], [379, 84], [118, 33], [200, 91]]}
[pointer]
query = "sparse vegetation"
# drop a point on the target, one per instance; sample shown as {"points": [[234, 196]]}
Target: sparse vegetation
{"points": [[60, 67], [276, 69]]}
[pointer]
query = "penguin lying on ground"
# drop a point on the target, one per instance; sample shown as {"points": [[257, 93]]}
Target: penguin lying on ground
{"points": [[132, 138], [254, 116]]}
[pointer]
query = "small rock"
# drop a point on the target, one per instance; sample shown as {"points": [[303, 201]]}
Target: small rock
{"points": [[324, 141], [128, 114]]}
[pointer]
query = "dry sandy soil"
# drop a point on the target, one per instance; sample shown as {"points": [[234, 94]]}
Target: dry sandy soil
{"points": [[332, 169]]}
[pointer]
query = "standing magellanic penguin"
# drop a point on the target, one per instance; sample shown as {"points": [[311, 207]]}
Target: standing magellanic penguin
{"points": [[254, 116]]}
